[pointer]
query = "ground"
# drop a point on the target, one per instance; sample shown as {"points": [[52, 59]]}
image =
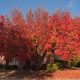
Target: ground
{"points": [[66, 74]]}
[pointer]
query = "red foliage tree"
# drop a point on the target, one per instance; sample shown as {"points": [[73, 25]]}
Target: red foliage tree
{"points": [[40, 34]]}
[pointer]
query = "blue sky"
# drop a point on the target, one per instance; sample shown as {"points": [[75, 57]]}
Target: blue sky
{"points": [[50, 5]]}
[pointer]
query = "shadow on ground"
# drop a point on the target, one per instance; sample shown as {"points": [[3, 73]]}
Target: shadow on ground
{"points": [[24, 74]]}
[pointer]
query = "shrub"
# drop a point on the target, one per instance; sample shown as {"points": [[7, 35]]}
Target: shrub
{"points": [[77, 63], [52, 67], [59, 65]]}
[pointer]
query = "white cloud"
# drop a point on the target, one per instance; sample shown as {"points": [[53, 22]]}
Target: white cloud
{"points": [[70, 4]]}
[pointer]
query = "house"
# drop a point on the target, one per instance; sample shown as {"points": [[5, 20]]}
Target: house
{"points": [[2, 59]]}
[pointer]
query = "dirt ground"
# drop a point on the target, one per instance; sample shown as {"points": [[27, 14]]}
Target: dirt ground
{"points": [[66, 74]]}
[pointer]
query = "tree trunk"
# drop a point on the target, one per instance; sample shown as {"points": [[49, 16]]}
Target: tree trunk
{"points": [[7, 65]]}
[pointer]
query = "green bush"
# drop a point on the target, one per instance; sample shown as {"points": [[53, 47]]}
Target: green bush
{"points": [[59, 65], [52, 67], [77, 63]]}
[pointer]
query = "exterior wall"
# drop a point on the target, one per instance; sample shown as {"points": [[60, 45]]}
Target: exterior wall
{"points": [[14, 61], [2, 59]]}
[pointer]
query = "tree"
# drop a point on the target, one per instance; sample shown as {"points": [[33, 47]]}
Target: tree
{"points": [[38, 35]]}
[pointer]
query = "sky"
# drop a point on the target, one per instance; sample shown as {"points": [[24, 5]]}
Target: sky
{"points": [[73, 6]]}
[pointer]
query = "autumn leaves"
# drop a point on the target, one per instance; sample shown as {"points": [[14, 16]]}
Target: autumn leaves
{"points": [[35, 35]]}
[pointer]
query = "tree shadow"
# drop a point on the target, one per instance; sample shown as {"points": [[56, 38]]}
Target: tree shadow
{"points": [[71, 68], [38, 75]]}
